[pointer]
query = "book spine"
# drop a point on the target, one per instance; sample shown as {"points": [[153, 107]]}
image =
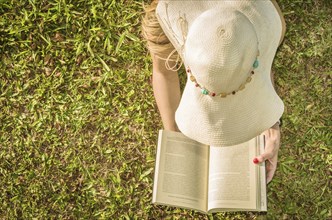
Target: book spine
{"points": [[156, 174]]}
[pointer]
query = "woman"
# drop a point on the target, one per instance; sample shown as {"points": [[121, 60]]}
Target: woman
{"points": [[182, 30]]}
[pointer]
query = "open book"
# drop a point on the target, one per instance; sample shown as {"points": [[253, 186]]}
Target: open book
{"points": [[209, 179]]}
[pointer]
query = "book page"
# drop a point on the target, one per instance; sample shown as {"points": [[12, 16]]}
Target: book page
{"points": [[232, 177], [181, 172]]}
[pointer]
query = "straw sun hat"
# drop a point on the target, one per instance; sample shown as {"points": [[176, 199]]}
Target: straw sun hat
{"points": [[227, 48]]}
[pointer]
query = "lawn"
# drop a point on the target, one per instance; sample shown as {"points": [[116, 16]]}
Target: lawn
{"points": [[79, 123]]}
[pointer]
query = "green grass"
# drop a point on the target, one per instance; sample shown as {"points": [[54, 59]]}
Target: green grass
{"points": [[78, 121]]}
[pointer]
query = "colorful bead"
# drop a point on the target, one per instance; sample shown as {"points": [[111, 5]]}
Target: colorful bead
{"points": [[256, 64], [205, 92], [223, 95], [242, 86]]}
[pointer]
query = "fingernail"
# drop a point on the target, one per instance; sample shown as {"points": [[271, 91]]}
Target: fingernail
{"points": [[255, 160]]}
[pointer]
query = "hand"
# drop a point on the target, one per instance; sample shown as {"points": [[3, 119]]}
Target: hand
{"points": [[270, 155]]}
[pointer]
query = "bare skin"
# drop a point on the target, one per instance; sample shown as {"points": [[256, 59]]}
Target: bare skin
{"points": [[166, 88], [270, 156]]}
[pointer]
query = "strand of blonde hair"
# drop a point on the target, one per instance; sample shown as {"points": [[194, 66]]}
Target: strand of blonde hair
{"points": [[157, 42]]}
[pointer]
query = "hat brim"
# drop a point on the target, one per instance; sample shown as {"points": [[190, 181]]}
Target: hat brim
{"points": [[236, 118], [232, 120]]}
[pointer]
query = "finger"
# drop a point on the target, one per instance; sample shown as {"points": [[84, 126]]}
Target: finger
{"points": [[261, 158], [270, 174], [271, 167], [268, 166], [268, 178]]}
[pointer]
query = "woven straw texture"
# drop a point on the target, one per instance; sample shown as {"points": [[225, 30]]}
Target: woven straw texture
{"points": [[220, 41]]}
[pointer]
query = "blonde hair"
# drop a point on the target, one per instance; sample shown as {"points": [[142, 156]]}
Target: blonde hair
{"points": [[157, 41]]}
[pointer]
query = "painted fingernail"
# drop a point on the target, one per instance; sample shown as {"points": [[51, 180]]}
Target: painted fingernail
{"points": [[255, 160]]}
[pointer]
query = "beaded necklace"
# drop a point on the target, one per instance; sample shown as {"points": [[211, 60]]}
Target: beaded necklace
{"points": [[205, 91], [183, 23]]}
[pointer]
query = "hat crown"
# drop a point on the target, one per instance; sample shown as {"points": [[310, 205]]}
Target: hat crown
{"points": [[221, 48], [235, 118]]}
